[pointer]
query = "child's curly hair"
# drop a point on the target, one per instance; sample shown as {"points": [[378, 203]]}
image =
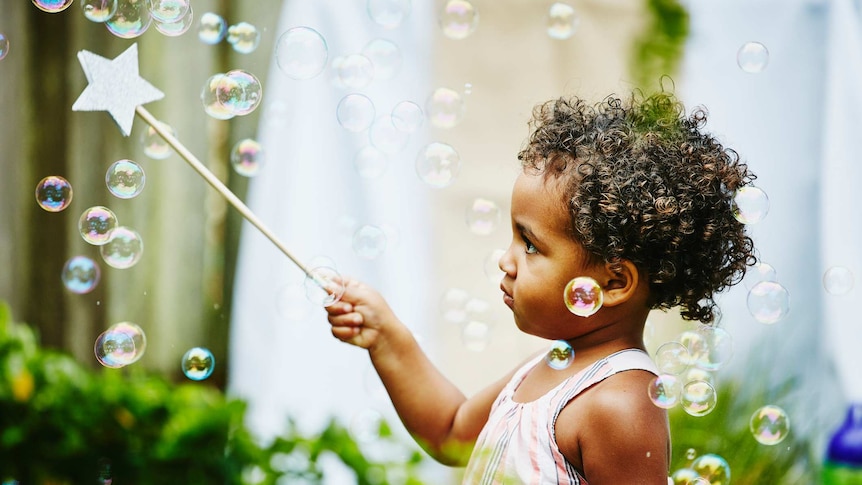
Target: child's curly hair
{"points": [[645, 184]]}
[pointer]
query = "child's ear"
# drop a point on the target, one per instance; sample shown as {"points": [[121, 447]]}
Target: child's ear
{"points": [[620, 283]]}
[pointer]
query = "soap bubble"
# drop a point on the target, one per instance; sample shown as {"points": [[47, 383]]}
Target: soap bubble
{"points": [[386, 137], [52, 6], [198, 363], [713, 468], [444, 108], [246, 157], [482, 216], [838, 280], [583, 296], [385, 56], [179, 27], [757, 273], [168, 11], [698, 398], [301, 53], [453, 305], [239, 92], [369, 242], [560, 355], [136, 333], [212, 28], [114, 349], [244, 37], [355, 112], [752, 57], [672, 358], [96, 224], [388, 13], [99, 10], [750, 205], [125, 179], [323, 286], [458, 19], [562, 21], [123, 249], [491, 267], [131, 19], [209, 98], [684, 476], [769, 425], [54, 193], [154, 145], [80, 275], [355, 71], [407, 116], [438, 164], [4, 46], [712, 348], [370, 162], [768, 302], [475, 335], [664, 391]]}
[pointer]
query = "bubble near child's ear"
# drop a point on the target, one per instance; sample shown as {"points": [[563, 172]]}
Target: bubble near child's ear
{"points": [[583, 296]]}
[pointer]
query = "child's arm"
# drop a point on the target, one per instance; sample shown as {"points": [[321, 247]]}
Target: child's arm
{"points": [[441, 419]]}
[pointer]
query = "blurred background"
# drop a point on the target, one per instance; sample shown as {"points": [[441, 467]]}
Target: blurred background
{"points": [[356, 98]]}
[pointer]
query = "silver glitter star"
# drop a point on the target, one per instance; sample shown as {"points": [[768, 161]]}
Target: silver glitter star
{"points": [[115, 86]]}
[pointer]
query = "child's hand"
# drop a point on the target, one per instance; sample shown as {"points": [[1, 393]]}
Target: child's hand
{"points": [[360, 316]]}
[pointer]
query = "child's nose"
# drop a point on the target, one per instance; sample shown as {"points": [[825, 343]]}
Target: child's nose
{"points": [[507, 262]]}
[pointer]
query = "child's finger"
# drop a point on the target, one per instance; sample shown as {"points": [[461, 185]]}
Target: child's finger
{"points": [[339, 308], [352, 319], [345, 333]]}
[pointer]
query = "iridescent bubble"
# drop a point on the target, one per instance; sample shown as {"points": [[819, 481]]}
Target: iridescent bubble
{"points": [[388, 13], [96, 224], [52, 6], [838, 280], [458, 19], [491, 266], [769, 425], [99, 10], [131, 19], [664, 391], [123, 249], [583, 296], [407, 116], [136, 333], [438, 164], [453, 305], [154, 145], [713, 468], [114, 349], [239, 92], [209, 98], [355, 71], [370, 162], [698, 374], [712, 349], [355, 112], [444, 107], [244, 37], [757, 273], [385, 56], [54, 193], [562, 21], [386, 137], [323, 286], [168, 10], [80, 275], [752, 57], [482, 216], [4, 46], [246, 157], [684, 476], [672, 358], [212, 28], [768, 302], [698, 398], [475, 335], [690, 454], [750, 205], [560, 355], [301, 53], [369, 242], [179, 27], [125, 179], [198, 363]]}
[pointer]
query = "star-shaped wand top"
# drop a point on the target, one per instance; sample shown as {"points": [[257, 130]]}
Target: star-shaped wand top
{"points": [[115, 86]]}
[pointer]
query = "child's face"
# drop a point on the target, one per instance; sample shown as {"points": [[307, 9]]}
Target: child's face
{"points": [[541, 260]]}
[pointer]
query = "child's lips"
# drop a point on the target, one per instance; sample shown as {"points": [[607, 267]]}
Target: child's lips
{"points": [[507, 297]]}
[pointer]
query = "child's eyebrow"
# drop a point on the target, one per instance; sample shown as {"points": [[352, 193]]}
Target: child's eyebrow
{"points": [[524, 230]]}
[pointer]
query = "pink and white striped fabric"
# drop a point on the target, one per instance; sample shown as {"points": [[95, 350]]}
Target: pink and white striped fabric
{"points": [[518, 444]]}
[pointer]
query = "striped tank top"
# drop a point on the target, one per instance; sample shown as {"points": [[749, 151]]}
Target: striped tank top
{"points": [[518, 445]]}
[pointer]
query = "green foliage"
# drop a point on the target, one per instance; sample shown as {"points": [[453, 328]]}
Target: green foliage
{"points": [[62, 423], [659, 49]]}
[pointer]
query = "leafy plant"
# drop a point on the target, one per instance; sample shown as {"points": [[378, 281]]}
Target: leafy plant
{"points": [[659, 49]]}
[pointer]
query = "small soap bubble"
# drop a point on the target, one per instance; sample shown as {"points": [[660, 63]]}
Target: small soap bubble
{"points": [[583, 296], [52, 6], [80, 275], [210, 100], [698, 398], [370, 162], [672, 358], [95, 225], [438, 164], [212, 28], [562, 21], [246, 157], [99, 10], [198, 363], [407, 116], [385, 56], [750, 205], [475, 335], [482, 216], [684, 476], [125, 179], [178, 27], [468, 88], [713, 468], [444, 108], [690, 454], [491, 266], [752, 57], [560, 355], [114, 349], [131, 19], [355, 71], [54, 193], [664, 391], [712, 349], [244, 37], [453, 305], [369, 242], [838, 280], [239, 92], [698, 374], [153, 144], [388, 13], [168, 10], [768, 302], [458, 19], [123, 249], [355, 112], [323, 286], [769, 425], [301, 53], [757, 273], [386, 137], [136, 333]]}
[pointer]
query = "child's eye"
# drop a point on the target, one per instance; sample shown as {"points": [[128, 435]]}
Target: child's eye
{"points": [[529, 248]]}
